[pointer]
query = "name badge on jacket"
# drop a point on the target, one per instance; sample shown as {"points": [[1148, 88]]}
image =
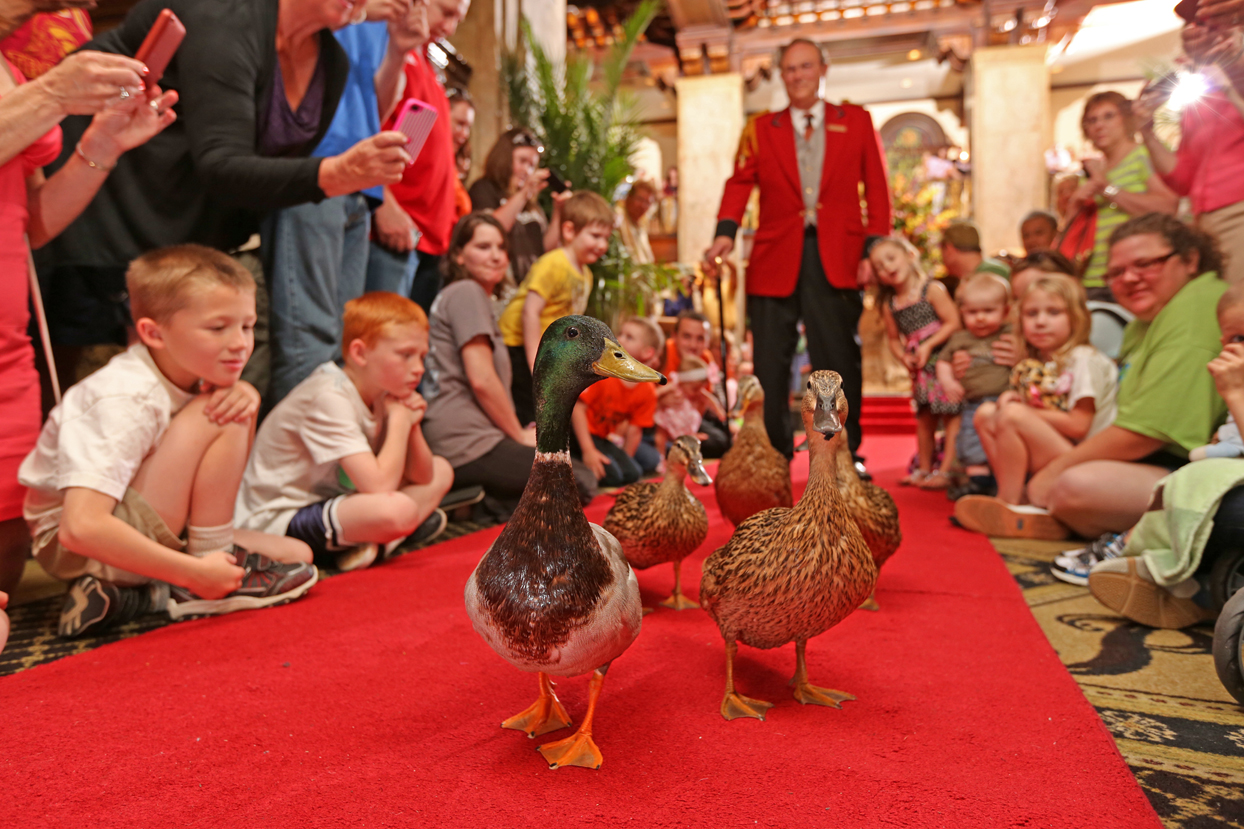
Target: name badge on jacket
{"points": [[836, 127]]}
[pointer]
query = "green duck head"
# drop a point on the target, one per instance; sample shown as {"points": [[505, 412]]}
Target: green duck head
{"points": [[824, 404], [685, 453], [574, 353]]}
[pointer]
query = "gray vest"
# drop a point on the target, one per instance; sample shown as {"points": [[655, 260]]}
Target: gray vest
{"points": [[811, 157]]}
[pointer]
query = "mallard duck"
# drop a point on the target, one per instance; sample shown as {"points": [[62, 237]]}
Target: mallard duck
{"points": [[554, 594], [873, 509], [752, 476], [659, 522], [791, 574]]}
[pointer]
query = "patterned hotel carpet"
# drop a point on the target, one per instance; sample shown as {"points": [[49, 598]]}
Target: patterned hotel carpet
{"points": [[1157, 692]]}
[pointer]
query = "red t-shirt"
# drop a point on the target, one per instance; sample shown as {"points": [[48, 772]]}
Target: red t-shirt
{"points": [[426, 190], [610, 404]]}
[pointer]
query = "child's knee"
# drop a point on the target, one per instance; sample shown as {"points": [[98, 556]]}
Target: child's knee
{"points": [[193, 419], [442, 474]]}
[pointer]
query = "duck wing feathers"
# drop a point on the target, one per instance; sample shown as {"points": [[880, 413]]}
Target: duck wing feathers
{"points": [[657, 523], [781, 578]]}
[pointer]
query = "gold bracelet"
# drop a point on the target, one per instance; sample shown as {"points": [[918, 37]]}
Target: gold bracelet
{"points": [[92, 164]]}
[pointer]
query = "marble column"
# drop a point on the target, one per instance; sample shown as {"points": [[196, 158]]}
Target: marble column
{"points": [[710, 119], [1008, 96], [480, 40], [548, 26]]}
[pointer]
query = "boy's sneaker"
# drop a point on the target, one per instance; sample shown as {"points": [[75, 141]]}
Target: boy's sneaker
{"points": [[1126, 586], [95, 606], [1074, 565], [356, 558], [432, 527], [264, 584]]}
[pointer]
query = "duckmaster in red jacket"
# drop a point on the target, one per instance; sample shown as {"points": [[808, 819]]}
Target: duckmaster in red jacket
{"points": [[809, 161]]}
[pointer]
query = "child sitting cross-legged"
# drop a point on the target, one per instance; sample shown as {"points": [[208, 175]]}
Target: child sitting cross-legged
{"points": [[131, 486], [984, 300], [615, 406], [1062, 393], [341, 463]]}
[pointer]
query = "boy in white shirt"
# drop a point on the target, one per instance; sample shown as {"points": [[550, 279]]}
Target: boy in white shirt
{"points": [[140, 463], [341, 463]]}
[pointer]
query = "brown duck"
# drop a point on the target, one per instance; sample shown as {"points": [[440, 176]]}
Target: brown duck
{"points": [[791, 574], [752, 476], [873, 509], [660, 522]]}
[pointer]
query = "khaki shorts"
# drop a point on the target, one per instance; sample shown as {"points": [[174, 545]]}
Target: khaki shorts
{"points": [[134, 510]]}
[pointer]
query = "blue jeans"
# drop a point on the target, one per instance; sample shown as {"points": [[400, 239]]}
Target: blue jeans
{"points": [[389, 271], [315, 261]]}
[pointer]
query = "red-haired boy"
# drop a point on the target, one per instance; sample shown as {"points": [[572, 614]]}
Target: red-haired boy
{"points": [[341, 463]]}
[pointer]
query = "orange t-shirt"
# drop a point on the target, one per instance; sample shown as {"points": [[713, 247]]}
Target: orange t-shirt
{"points": [[610, 404], [673, 357]]}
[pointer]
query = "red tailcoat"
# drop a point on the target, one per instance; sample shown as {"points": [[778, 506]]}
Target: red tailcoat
{"points": [[766, 159]]}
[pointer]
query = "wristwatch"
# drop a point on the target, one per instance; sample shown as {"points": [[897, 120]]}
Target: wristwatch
{"points": [[1110, 191]]}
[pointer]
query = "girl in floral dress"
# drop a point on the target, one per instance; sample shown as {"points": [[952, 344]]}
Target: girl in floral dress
{"points": [[919, 317]]}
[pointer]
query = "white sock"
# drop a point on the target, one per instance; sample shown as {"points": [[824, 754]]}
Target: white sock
{"points": [[203, 540]]}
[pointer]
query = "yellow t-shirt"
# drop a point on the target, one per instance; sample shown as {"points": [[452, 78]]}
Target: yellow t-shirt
{"points": [[564, 289]]}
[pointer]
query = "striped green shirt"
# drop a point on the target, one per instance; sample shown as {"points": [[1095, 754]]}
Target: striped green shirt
{"points": [[1130, 174]]}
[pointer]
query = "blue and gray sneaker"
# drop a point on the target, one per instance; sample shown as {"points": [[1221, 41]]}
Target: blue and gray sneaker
{"points": [[94, 606], [1073, 566]]}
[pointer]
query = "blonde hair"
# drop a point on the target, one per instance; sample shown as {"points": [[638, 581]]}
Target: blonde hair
{"points": [[371, 316], [981, 283], [653, 337], [587, 208], [1071, 292], [160, 282], [885, 292]]}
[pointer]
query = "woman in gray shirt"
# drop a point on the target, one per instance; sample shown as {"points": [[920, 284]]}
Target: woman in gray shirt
{"points": [[470, 419]]}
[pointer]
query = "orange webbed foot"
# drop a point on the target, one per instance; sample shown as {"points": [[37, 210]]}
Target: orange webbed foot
{"points": [[736, 705], [810, 694], [542, 716], [871, 602], [579, 749], [678, 601]]}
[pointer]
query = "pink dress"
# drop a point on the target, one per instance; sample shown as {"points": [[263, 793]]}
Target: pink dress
{"points": [[20, 407]]}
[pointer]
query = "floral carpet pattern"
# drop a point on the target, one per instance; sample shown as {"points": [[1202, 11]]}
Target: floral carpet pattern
{"points": [[1156, 690]]}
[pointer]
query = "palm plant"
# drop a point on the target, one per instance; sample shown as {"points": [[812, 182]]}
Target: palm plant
{"points": [[590, 131]]}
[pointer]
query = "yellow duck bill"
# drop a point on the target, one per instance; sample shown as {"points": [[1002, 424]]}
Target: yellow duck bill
{"points": [[615, 362]]}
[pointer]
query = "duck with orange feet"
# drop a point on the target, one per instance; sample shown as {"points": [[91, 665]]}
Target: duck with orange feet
{"points": [[787, 575], [658, 522], [554, 594], [752, 475]]}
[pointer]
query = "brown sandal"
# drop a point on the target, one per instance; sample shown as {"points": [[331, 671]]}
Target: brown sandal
{"points": [[913, 479], [937, 479]]}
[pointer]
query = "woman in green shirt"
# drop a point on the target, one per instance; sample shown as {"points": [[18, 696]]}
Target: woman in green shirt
{"points": [[1119, 184], [1166, 274]]}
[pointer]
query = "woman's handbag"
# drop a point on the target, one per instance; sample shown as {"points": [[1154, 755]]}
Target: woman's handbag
{"points": [[1079, 238]]}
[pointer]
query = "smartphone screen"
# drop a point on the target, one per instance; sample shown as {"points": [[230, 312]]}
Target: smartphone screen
{"points": [[161, 44], [556, 184]]}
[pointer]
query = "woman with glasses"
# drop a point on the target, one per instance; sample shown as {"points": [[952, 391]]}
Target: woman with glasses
{"points": [[512, 180], [1118, 184], [1166, 274]]}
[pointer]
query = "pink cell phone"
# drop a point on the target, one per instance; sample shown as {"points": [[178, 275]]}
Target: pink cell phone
{"points": [[160, 44], [414, 120]]}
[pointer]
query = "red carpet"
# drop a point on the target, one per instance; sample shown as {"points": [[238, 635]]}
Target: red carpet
{"points": [[371, 702]]}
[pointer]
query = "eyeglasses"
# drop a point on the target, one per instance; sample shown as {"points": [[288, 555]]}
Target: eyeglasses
{"points": [[1141, 267], [522, 139]]}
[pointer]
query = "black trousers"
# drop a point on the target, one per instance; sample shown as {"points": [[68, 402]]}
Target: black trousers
{"points": [[503, 472], [427, 282], [831, 319]]}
